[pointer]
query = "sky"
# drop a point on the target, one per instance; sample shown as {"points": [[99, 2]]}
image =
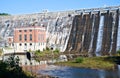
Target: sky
{"points": [[14, 7]]}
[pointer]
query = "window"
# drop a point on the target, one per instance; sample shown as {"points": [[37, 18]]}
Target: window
{"points": [[25, 44], [30, 44], [20, 30], [20, 44], [25, 37], [30, 37], [30, 30], [20, 37], [25, 30]]}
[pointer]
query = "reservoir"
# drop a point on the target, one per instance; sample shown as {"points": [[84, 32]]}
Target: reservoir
{"points": [[74, 72]]}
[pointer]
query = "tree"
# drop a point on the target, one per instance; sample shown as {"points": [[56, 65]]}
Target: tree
{"points": [[11, 69], [4, 14]]}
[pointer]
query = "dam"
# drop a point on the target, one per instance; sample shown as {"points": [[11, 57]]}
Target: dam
{"points": [[94, 31]]}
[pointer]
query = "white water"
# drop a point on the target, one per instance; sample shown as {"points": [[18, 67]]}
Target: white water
{"points": [[113, 27], [92, 34], [118, 36], [100, 36]]}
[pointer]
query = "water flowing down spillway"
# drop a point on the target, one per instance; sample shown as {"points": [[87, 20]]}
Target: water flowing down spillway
{"points": [[100, 36], [118, 36]]}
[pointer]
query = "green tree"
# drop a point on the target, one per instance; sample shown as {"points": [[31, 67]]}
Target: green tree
{"points": [[11, 69], [4, 14]]}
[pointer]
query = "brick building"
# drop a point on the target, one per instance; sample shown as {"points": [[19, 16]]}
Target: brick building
{"points": [[29, 38], [25, 39]]}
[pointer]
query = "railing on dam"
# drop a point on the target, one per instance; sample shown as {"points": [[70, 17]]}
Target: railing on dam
{"points": [[102, 9]]}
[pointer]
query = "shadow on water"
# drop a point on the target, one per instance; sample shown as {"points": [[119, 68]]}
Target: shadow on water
{"points": [[73, 72]]}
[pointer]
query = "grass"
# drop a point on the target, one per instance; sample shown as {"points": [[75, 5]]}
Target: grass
{"points": [[106, 63], [46, 54]]}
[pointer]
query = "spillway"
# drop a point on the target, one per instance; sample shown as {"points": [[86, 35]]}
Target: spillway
{"points": [[96, 33]]}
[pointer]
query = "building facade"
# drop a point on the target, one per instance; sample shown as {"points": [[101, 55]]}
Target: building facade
{"points": [[29, 38]]}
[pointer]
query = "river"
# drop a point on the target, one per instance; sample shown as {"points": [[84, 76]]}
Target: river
{"points": [[73, 72]]}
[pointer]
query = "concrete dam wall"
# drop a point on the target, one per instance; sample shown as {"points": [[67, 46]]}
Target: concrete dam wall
{"points": [[94, 31], [58, 26]]}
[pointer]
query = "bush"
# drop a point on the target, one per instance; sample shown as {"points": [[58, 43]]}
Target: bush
{"points": [[37, 51], [56, 51], [47, 49], [118, 52], [79, 60]]}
